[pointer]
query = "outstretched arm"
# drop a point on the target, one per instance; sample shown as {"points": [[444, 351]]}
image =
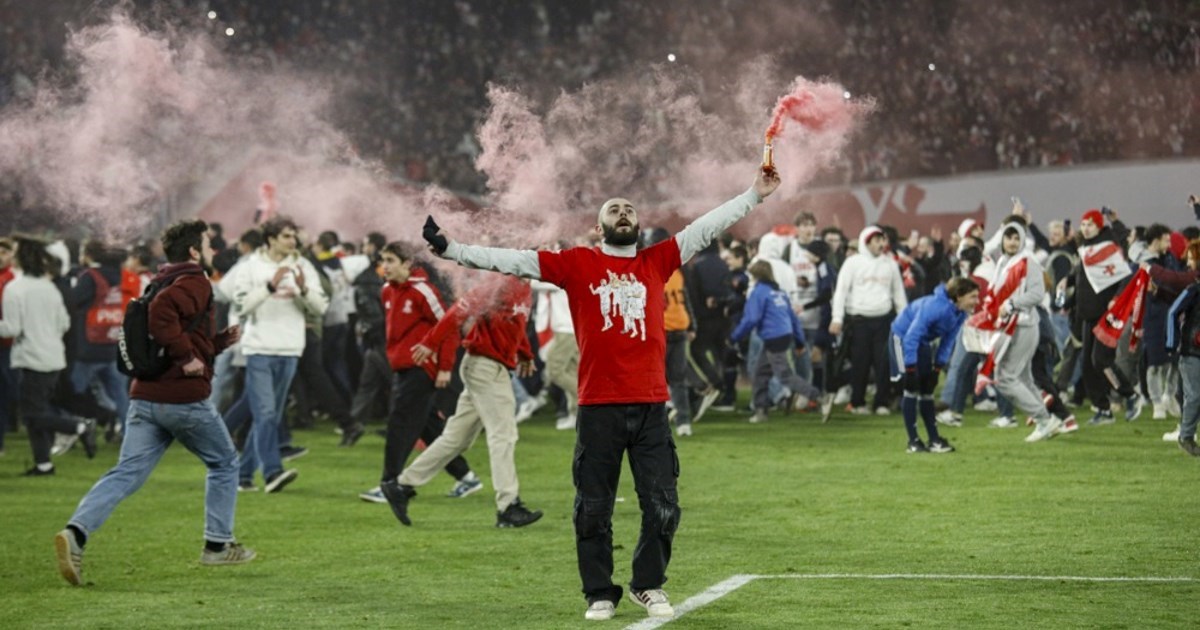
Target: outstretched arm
{"points": [[518, 262], [704, 230]]}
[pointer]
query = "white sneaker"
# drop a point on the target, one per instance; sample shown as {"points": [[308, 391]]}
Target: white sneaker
{"points": [[1002, 422], [374, 495], [759, 417], [1173, 407], [63, 443], [861, 411], [654, 600], [1048, 429], [600, 610], [1160, 411], [683, 430], [827, 402], [843, 395], [1172, 436], [949, 418], [882, 411], [565, 423], [706, 402], [985, 405], [525, 410]]}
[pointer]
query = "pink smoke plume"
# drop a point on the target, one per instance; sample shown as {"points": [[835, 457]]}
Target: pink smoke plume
{"points": [[268, 203]]}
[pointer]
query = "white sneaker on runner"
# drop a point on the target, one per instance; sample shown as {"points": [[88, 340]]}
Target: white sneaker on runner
{"points": [[654, 600], [1172, 436], [1002, 422], [600, 610], [565, 423]]}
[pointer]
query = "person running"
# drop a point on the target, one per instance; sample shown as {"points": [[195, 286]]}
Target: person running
{"points": [[495, 344], [622, 381], [173, 406]]}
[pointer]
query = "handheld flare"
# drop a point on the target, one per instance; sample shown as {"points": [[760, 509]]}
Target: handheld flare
{"points": [[768, 160]]}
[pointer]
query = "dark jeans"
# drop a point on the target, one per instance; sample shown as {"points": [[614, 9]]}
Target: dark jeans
{"points": [[603, 434], [1099, 362], [707, 349], [412, 416], [868, 340], [374, 380], [41, 418], [334, 348], [314, 388], [8, 394]]}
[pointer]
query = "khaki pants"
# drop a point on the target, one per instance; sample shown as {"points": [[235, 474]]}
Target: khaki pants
{"points": [[562, 367], [487, 403]]}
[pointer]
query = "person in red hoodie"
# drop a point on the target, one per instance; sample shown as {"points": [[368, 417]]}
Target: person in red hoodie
{"points": [[412, 307], [495, 344], [173, 406]]}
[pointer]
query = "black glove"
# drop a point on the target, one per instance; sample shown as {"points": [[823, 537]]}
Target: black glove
{"points": [[430, 232]]}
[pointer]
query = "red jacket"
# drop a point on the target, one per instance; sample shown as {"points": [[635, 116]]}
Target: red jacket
{"points": [[412, 309], [173, 309], [500, 309]]}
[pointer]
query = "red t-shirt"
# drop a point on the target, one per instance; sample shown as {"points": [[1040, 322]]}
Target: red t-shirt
{"points": [[501, 309], [617, 306], [6, 276]]}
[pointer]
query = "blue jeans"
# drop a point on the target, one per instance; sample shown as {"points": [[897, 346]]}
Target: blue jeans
{"points": [[8, 393], [149, 430], [114, 384], [1189, 371], [267, 381]]}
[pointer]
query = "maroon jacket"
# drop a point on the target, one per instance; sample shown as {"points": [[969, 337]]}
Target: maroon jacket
{"points": [[175, 307]]}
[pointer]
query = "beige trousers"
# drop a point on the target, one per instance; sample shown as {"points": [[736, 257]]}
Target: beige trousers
{"points": [[487, 403], [562, 367]]}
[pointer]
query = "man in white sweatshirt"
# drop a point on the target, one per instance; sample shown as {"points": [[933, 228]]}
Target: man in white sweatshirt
{"points": [[869, 293], [273, 290]]}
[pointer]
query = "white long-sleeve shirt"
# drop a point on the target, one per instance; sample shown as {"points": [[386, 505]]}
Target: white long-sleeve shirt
{"points": [[868, 286], [36, 317]]}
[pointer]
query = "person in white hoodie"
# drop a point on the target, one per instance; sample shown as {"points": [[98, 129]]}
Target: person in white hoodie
{"points": [[35, 316], [1016, 291], [273, 290], [869, 294]]}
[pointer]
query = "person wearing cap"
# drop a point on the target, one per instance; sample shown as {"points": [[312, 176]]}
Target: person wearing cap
{"points": [[614, 289], [1100, 275], [869, 294]]}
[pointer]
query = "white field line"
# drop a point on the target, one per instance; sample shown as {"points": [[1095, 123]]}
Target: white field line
{"points": [[721, 589]]}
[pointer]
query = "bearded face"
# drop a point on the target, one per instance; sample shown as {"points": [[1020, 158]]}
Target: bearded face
{"points": [[619, 223]]}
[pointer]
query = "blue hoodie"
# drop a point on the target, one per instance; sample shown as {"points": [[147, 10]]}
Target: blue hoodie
{"points": [[926, 319], [770, 311]]}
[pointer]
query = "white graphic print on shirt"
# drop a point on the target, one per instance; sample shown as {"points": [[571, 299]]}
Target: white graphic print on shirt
{"points": [[623, 296]]}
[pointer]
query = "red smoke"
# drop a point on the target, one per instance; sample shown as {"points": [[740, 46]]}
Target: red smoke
{"points": [[815, 106]]}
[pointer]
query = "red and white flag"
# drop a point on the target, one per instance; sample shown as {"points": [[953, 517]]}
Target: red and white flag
{"points": [[1105, 264]]}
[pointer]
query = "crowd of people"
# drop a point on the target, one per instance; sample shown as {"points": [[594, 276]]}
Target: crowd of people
{"points": [[964, 86], [280, 331]]}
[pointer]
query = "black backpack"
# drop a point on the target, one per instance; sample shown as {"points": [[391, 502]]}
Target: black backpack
{"points": [[138, 354]]}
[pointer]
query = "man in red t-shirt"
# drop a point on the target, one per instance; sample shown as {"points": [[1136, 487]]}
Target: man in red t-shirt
{"points": [[616, 299]]}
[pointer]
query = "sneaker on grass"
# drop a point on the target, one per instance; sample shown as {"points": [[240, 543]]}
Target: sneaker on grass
{"points": [[247, 486], [683, 430], [949, 418], [1102, 417], [374, 495], [940, 445], [710, 397], [469, 484], [600, 610], [1045, 430], [565, 423], [1133, 407], [654, 600], [70, 557], [1189, 446], [280, 480], [1069, 425], [397, 497], [233, 553], [1002, 422], [917, 446], [288, 453], [827, 402], [1172, 436], [517, 515]]}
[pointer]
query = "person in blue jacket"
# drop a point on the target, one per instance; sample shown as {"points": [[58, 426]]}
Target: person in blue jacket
{"points": [[933, 317], [769, 311]]}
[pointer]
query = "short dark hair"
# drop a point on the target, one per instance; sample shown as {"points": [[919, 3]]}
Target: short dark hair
{"points": [[377, 240], [958, 287], [806, 217], [397, 249], [143, 255], [179, 239], [1156, 231], [739, 251], [252, 238], [1016, 218], [32, 257], [273, 227], [103, 253], [1190, 232], [328, 240]]}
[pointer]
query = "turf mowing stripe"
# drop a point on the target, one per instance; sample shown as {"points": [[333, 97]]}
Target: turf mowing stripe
{"points": [[940, 576], [730, 585], [707, 596]]}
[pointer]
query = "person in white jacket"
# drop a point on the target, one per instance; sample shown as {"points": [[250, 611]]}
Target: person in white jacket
{"points": [[869, 294], [273, 290], [35, 316]]}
